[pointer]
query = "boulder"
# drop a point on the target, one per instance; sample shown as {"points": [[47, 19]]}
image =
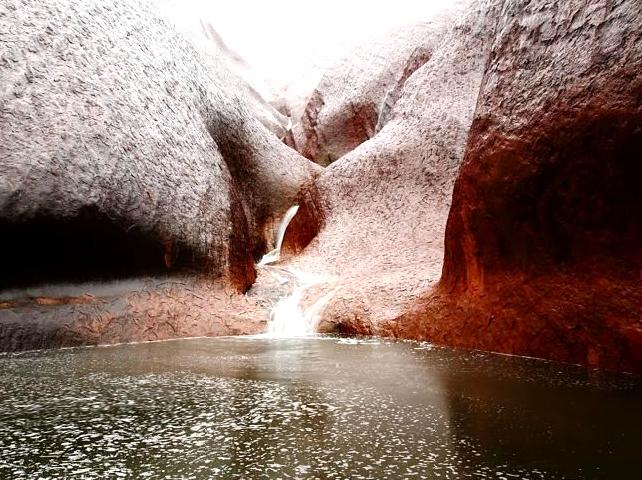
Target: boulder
{"points": [[544, 239], [133, 126], [543, 242]]}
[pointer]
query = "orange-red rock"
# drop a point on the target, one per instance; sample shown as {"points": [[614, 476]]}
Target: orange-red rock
{"points": [[544, 238], [543, 252]]}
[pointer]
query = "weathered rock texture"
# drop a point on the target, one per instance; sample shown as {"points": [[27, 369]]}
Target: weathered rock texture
{"points": [[544, 240], [126, 311], [543, 249], [354, 98], [107, 108], [126, 150], [380, 212]]}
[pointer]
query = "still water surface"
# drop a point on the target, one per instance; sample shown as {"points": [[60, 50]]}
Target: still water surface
{"points": [[311, 408]]}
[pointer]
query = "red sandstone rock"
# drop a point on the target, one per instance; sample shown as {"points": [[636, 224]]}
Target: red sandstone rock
{"points": [[544, 240], [380, 211], [543, 249], [354, 97]]}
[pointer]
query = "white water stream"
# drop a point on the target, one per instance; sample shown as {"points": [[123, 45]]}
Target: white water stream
{"points": [[275, 254], [288, 318]]}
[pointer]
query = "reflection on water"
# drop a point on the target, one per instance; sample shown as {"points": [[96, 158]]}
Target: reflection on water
{"points": [[311, 408]]}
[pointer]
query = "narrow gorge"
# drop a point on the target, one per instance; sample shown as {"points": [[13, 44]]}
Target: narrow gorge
{"points": [[468, 182]]}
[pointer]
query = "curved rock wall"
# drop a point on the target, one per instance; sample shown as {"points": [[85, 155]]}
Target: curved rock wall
{"points": [[544, 240], [127, 151], [108, 108], [543, 248], [551, 175], [380, 212]]}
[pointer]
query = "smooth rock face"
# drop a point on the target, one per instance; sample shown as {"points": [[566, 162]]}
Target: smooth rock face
{"points": [[127, 150], [380, 211], [543, 249], [268, 115], [355, 97], [544, 240]]}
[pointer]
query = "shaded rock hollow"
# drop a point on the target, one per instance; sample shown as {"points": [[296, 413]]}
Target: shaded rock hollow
{"points": [[127, 149]]}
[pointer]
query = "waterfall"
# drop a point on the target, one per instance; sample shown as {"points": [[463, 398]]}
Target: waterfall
{"points": [[288, 319], [275, 254]]}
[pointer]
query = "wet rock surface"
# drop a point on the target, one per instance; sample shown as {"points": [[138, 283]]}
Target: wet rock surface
{"points": [[487, 192], [543, 246], [380, 212], [117, 112], [545, 234], [129, 311], [128, 150]]}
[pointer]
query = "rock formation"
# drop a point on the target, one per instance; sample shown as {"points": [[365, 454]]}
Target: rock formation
{"points": [[269, 116], [151, 308], [543, 250], [354, 97], [487, 193], [127, 150], [380, 212], [544, 239]]}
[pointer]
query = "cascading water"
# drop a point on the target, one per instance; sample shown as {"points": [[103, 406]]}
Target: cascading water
{"points": [[287, 318], [275, 254]]}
